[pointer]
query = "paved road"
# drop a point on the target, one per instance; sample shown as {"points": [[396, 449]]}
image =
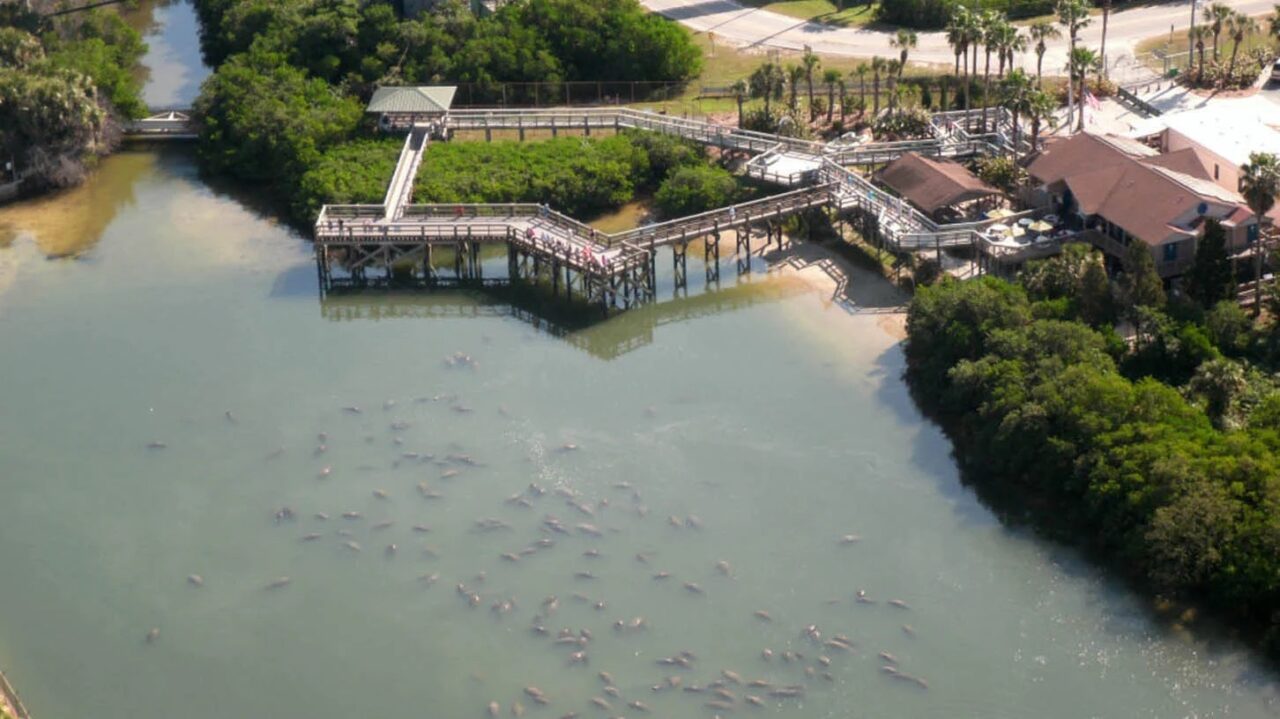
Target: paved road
{"points": [[751, 27]]}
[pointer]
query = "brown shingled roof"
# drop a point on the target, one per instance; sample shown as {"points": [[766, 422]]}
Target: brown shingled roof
{"points": [[1065, 157], [1131, 185], [1188, 161], [933, 184]]}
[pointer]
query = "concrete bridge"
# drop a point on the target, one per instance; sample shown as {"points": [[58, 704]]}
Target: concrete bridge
{"points": [[162, 124]]}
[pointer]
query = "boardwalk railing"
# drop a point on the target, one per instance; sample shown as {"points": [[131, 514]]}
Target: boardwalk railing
{"points": [[614, 266], [692, 227]]}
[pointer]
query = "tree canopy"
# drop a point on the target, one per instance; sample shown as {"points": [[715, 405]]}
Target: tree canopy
{"points": [[1163, 456], [61, 91]]}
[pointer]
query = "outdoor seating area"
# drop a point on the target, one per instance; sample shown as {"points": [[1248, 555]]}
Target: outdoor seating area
{"points": [[1022, 232]]}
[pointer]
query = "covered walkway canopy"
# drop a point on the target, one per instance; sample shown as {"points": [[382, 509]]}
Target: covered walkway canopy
{"points": [[932, 185], [399, 107]]}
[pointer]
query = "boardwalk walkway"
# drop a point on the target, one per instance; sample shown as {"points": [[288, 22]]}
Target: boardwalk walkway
{"points": [[617, 269]]}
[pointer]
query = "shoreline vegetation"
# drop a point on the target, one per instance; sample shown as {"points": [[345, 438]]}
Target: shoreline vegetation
{"points": [[10, 705], [579, 176], [284, 105], [66, 83], [1159, 455]]}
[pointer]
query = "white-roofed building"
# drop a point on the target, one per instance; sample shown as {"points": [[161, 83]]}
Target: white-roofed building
{"points": [[1224, 133]]}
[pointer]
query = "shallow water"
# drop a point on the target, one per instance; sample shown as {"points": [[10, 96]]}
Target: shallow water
{"points": [[628, 217], [769, 412]]}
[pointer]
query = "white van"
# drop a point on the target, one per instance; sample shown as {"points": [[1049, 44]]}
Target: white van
{"points": [[1275, 71]]}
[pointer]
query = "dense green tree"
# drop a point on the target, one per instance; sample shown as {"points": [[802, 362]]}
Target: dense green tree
{"points": [[1209, 280], [50, 122], [1142, 284], [1060, 275], [62, 93], [1097, 306], [1228, 327], [1047, 427], [690, 190], [262, 119], [1218, 383]]}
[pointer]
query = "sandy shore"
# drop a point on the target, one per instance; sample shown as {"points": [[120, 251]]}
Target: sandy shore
{"points": [[857, 290]]}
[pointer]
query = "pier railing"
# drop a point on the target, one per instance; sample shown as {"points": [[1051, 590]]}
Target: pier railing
{"points": [[692, 227]]}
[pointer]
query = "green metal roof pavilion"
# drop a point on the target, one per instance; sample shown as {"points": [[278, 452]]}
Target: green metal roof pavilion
{"points": [[423, 99]]}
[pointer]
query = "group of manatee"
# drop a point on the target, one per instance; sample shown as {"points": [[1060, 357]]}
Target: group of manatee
{"points": [[724, 693]]}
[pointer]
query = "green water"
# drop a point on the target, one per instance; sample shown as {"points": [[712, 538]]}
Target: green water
{"points": [[769, 412]]}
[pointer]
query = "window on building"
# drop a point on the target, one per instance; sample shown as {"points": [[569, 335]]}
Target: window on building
{"points": [[1171, 252], [1215, 171]]}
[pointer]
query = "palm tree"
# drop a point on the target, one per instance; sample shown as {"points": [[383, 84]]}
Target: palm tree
{"points": [[1042, 32], [1239, 26], [1198, 35], [1074, 14], [1015, 96], [1259, 184], [767, 82], [991, 29], [1041, 106], [740, 91], [1217, 15], [810, 62], [975, 32], [905, 41], [957, 33], [795, 73], [830, 78], [877, 66], [1102, 51], [1083, 61], [1011, 43], [860, 72], [844, 94], [892, 73]]}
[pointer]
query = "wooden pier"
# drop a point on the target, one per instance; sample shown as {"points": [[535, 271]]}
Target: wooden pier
{"points": [[617, 271]]}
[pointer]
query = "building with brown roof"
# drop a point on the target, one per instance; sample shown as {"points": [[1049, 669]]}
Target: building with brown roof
{"points": [[1129, 192], [933, 185]]}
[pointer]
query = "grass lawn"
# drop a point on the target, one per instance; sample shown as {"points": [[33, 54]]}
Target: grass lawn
{"points": [[856, 12], [724, 64], [1154, 50]]}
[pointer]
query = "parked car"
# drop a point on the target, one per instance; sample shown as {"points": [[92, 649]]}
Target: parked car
{"points": [[1275, 71]]}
